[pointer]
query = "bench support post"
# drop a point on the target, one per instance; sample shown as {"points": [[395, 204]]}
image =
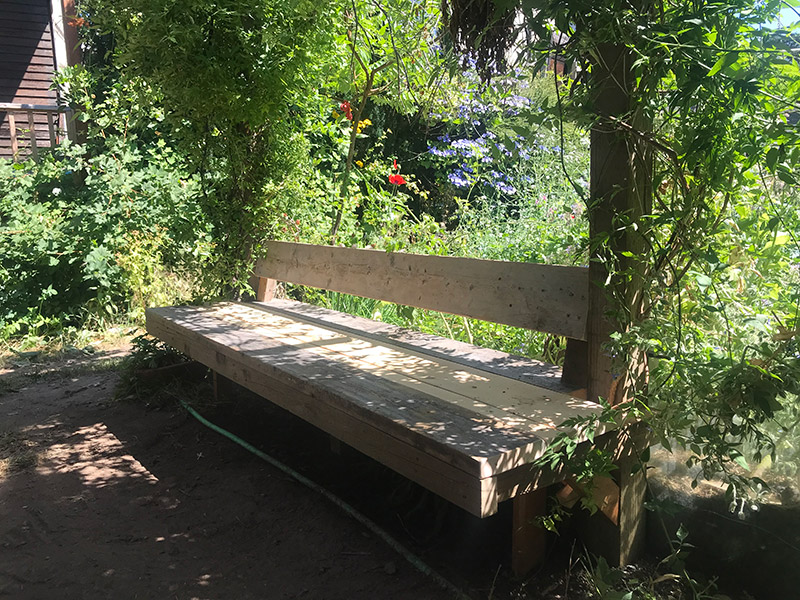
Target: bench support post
{"points": [[223, 387], [575, 372], [618, 534], [265, 291], [528, 537]]}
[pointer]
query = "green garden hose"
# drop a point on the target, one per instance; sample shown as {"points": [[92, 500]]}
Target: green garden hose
{"points": [[412, 558]]}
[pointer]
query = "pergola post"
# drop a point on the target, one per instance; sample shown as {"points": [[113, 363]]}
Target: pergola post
{"points": [[619, 195]]}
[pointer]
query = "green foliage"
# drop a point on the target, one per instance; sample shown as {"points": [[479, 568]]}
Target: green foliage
{"points": [[704, 101], [150, 353], [234, 79], [90, 228], [222, 125]]}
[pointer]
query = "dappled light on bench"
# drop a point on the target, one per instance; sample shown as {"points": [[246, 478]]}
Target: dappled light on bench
{"points": [[505, 401], [499, 422], [467, 423]]}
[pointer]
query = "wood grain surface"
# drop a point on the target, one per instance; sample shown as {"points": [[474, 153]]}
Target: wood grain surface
{"points": [[549, 298]]}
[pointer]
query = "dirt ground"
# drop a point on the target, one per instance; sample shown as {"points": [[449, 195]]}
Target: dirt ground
{"points": [[109, 494], [101, 498]]}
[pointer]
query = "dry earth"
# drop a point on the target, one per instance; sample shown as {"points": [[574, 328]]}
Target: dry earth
{"points": [[107, 499], [102, 497]]}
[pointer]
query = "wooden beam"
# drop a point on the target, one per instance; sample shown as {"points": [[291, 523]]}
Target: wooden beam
{"points": [[492, 361], [619, 193], [12, 124], [296, 387], [618, 533], [266, 289], [575, 372], [549, 298], [34, 147], [485, 423], [51, 128], [528, 537], [71, 36]]}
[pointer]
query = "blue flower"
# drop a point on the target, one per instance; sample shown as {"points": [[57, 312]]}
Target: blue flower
{"points": [[458, 178]]}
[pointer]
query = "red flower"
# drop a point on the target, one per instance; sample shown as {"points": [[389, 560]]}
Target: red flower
{"points": [[394, 163], [347, 110], [396, 179]]}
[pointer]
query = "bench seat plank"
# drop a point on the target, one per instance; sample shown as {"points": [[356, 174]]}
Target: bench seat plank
{"points": [[493, 361], [508, 402], [449, 426]]}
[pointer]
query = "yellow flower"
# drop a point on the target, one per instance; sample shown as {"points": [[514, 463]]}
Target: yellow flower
{"points": [[359, 163], [362, 124], [335, 115]]}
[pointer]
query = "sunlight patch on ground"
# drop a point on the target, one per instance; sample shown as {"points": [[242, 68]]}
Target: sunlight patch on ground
{"points": [[95, 455]]}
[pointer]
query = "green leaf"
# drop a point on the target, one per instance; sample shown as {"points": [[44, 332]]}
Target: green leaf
{"points": [[740, 460], [682, 533], [772, 158], [787, 177], [781, 239], [723, 63], [703, 281]]}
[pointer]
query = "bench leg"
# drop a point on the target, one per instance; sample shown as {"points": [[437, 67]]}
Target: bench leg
{"points": [[528, 537], [223, 387], [618, 534], [631, 509]]}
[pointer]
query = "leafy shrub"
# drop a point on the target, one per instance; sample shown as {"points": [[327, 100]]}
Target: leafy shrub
{"points": [[91, 228]]}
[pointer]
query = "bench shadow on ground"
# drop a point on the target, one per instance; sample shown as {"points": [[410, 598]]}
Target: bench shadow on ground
{"points": [[134, 502]]}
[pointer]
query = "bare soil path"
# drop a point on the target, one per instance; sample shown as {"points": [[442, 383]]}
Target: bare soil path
{"points": [[107, 499]]}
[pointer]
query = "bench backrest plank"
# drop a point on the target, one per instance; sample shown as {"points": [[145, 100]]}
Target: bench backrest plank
{"points": [[548, 298]]}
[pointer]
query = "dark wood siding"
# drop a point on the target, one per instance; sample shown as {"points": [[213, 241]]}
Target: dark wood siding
{"points": [[27, 64]]}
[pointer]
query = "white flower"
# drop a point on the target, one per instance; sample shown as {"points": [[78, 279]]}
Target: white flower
{"points": [[56, 191]]}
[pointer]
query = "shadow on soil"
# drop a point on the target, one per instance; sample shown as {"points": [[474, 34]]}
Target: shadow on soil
{"points": [[128, 501]]}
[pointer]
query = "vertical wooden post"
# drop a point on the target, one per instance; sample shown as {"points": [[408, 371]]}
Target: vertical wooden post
{"points": [[12, 126], [51, 128], [31, 124], [619, 193], [223, 387], [617, 533], [632, 490], [528, 538], [72, 40], [266, 289], [575, 372]]}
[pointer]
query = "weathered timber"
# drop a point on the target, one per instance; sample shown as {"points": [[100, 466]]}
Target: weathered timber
{"points": [[411, 453], [549, 298], [467, 423], [485, 423], [528, 537]]}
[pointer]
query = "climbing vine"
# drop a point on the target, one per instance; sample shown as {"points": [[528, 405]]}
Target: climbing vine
{"points": [[707, 126]]}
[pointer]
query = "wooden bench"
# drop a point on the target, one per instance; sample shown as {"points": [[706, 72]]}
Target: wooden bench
{"points": [[465, 422]]}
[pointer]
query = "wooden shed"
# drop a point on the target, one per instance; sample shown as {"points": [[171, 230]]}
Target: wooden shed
{"points": [[36, 39]]}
